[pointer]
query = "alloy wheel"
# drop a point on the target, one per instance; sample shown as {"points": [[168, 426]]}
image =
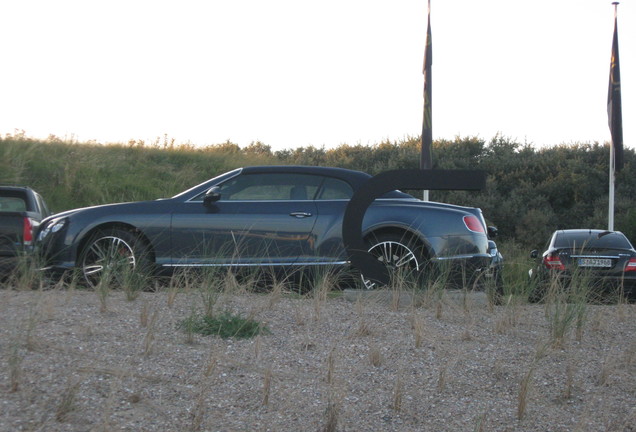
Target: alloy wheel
{"points": [[107, 259], [396, 256]]}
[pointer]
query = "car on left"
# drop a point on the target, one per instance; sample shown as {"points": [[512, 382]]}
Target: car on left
{"points": [[21, 211]]}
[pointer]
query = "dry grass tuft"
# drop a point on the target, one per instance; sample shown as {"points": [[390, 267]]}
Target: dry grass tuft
{"points": [[267, 386], [418, 331], [66, 404], [441, 378], [363, 329], [332, 413], [398, 394], [375, 356], [569, 381], [15, 367], [151, 328], [331, 367], [524, 393]]}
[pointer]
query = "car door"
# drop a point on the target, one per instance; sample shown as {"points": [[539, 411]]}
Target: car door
{"points": [[259, 219], [331, 202]]}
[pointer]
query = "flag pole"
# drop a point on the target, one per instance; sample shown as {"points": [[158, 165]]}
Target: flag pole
{"points": [[612, 176], [426, 159]]}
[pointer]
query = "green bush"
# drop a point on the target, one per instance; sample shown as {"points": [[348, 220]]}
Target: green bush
{"points": [[225, 325]]}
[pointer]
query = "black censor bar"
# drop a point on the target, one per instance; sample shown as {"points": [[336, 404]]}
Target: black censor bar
{"points": [[385, 182]]}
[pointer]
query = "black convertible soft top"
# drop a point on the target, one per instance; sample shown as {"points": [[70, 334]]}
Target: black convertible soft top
{"points": [[355, 178]]}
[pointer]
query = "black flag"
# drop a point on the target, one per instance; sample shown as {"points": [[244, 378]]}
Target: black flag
{"points": [[426, 159], [614, 110]]}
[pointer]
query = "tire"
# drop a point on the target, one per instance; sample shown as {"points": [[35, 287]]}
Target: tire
{"points": [[112, 256], [402, 256]]}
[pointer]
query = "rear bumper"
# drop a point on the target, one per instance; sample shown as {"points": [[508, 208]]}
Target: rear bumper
{"points": [[468, 271], [625, 284]]}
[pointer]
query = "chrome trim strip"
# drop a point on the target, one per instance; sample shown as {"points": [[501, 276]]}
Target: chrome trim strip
{"points": [[446, 258], [295, 264]]}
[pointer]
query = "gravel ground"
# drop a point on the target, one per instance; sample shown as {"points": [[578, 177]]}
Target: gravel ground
{"points": [[72, 361]]}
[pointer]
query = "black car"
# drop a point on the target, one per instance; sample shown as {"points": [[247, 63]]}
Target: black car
{"points": [[605, 261], [21, 210], [287, 217]]}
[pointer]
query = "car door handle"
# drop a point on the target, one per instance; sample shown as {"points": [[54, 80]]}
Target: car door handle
{"points": [[300, 215]]}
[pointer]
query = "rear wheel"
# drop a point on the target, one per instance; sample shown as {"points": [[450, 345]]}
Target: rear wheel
{"points": [[113, 257], [402, 257]]}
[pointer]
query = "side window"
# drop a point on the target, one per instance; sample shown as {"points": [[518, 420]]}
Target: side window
{"points": [[270, 187], [334, 189], [42, 204]]}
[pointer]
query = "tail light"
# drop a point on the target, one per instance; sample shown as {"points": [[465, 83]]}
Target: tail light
{"points": [[27, 231], [631, 265], [474, 224], [553, 262]]}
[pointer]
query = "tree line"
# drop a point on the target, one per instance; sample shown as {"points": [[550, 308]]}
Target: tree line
{"points": [[530, 192]]}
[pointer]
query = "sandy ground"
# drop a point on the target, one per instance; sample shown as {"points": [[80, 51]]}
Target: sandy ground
{"points": [[74, 361]]}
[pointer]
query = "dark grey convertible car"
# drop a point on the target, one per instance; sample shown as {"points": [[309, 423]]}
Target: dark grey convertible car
{"points": [[287, 217]]}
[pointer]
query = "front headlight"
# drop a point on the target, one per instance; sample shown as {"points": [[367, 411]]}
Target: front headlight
{"points": [[52, 227]]}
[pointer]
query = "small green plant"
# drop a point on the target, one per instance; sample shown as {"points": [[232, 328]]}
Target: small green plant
{"points": [[225, 325]]}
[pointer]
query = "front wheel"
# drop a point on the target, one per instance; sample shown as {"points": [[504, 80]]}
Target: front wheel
{"points": [[112, 257], [402, 257]]}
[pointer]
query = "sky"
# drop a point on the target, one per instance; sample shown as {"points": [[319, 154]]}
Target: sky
{"points": [[295, 73]]}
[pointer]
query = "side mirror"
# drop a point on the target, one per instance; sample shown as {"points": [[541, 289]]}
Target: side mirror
{"points": [[212, 196], [492, 232], [534, 254]]}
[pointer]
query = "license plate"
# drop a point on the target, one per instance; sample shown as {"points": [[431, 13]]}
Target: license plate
{"points": [[595, 262]]}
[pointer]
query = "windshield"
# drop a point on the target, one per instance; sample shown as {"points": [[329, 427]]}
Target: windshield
{"points": [[211, 181], [587, 240]]}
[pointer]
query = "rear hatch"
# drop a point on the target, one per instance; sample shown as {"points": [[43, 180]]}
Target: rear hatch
{"points": [[606, 253], [596, 260]]}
